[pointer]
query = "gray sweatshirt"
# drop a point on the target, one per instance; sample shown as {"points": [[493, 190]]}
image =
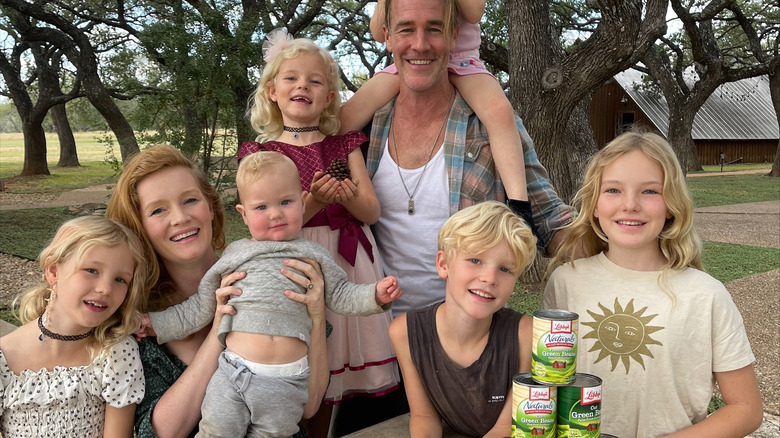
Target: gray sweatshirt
{"points": [[262, 307]]}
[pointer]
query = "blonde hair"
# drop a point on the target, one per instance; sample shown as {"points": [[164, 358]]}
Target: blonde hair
{"points": [[73, 239], [258, 164], [450, 23], [678, 240], [264, 114], [125, 207], [482, 226]]}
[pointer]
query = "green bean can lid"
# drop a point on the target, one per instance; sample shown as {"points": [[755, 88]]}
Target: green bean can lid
{"points": [[584, 380], [556, 314], [526, 379]]}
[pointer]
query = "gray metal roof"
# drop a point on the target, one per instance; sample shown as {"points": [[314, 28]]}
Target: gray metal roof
{"points": [[739, 110]]}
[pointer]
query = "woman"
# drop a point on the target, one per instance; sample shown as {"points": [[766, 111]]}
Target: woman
{"points": [[170, 204]]}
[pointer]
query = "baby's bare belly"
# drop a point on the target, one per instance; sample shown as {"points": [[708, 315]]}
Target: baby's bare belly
{"points": [[266, 349]]}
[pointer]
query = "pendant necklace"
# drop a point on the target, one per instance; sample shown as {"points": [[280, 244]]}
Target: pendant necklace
{"points": [[410, 208], [295, 131]]}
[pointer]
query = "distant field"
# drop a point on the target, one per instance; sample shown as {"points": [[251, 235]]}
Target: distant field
{"points": [[87, 146]]}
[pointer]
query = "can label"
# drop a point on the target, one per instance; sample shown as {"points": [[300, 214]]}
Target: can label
{"points": [[579, 408], [533, 408], [554, 358]]}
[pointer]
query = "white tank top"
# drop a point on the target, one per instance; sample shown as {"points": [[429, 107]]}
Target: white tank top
{"points": [[408, 243]]}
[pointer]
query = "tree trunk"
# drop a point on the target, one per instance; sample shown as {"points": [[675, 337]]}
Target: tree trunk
{"points": [[774, 92], [775, 172], [244, 131], [193, 129], [99, 98], [34, 147], [68, 154], [679, 136]]}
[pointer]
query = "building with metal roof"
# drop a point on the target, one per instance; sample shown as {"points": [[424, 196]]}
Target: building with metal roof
{"points": [[738, 120]]}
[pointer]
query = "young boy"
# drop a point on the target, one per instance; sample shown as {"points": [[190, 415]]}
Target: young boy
{"points": [[458, 357], [267, 339]]}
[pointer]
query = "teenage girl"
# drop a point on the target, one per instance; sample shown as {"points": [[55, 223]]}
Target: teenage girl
{"points": [[295, 111], [479, 89], [656, 328], [72, 369]]}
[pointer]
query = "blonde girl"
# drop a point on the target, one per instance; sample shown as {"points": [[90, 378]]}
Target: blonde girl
{"points": [[295, 111], [72, 369], [479, 89], [656, 328]]}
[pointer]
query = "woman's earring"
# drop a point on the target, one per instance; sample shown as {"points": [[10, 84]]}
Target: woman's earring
{"points": [[49, 303]]}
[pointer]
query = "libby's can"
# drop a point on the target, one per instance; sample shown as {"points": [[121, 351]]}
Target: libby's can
{"points": [[533, 408], [579, 408], [554, 358]]}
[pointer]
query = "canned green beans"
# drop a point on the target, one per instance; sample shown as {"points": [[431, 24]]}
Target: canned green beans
{"points": [[554, 359], [533, 408], [579, 408]]}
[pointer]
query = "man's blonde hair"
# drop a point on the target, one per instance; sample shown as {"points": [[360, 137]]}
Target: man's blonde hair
{"points": [[481, 227]]}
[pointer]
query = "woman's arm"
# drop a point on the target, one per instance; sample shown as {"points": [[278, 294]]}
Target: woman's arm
{"points": [[425, 420], [315, 304], [357, 193], [471, 10], [119, 421], [742, 413], [177, 412], [378, 21]]}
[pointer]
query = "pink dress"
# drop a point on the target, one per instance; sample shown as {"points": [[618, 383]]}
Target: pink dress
{"points": [[360, 355], [464, 57]]}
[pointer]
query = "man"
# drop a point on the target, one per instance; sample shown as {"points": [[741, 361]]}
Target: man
{"points": [[422, 172]]}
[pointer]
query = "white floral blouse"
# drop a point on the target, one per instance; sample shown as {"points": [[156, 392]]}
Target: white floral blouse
{"points": [[69, 402]]}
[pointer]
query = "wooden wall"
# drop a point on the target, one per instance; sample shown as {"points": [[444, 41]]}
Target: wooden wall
{"points": [[607, 111], [753, 151]]}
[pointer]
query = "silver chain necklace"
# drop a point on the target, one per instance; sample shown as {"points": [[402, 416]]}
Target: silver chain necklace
{"points": [[410, 208]]}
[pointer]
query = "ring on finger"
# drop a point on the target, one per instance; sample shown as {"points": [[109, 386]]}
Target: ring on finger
{"points": [[310, 286]]}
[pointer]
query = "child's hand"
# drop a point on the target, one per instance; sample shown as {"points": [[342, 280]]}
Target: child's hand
{"points": [[387, 290], [347, 191], [145, 329], [324, 188], [223, 294]]}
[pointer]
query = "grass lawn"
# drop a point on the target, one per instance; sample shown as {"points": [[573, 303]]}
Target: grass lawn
{"points": [[733, 189], [93, 171]]}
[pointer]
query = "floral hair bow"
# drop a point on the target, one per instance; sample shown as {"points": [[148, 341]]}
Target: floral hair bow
{"points": [[275, 42]]}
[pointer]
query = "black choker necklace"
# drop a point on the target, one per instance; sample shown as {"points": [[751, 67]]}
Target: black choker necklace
{"points": [[50, 334], [303, 129]]}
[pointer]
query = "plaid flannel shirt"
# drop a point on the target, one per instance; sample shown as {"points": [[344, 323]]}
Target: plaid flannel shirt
{"points": [[472, 175]]}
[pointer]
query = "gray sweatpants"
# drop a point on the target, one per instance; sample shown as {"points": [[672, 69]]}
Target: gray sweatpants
{"points": [[239, 403]]}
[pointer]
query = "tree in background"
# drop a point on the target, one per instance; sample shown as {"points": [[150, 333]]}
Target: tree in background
{"points": [[774, 90], [42, 79], [551, 84], [720, 42]]}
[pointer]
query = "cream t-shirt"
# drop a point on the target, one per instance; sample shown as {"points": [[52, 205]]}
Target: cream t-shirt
{"points": [[656, 359]]}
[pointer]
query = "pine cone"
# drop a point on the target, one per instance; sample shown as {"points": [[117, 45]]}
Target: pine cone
{"points": [[338, 169]]}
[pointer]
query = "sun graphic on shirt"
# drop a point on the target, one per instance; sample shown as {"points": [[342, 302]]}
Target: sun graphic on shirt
{"points": [[622, 334]]}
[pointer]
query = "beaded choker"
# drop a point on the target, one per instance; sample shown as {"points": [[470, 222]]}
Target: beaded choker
{"points": [[303, 129], [50, 334]]}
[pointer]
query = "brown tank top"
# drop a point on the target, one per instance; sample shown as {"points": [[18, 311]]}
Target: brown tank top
{"points": [[469, 399]]}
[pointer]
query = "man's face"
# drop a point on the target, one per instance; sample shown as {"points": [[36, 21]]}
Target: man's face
{"points": [[416, 39]]}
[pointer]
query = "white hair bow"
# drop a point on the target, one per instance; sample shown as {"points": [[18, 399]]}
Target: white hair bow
{"points": [[275, 42]]}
